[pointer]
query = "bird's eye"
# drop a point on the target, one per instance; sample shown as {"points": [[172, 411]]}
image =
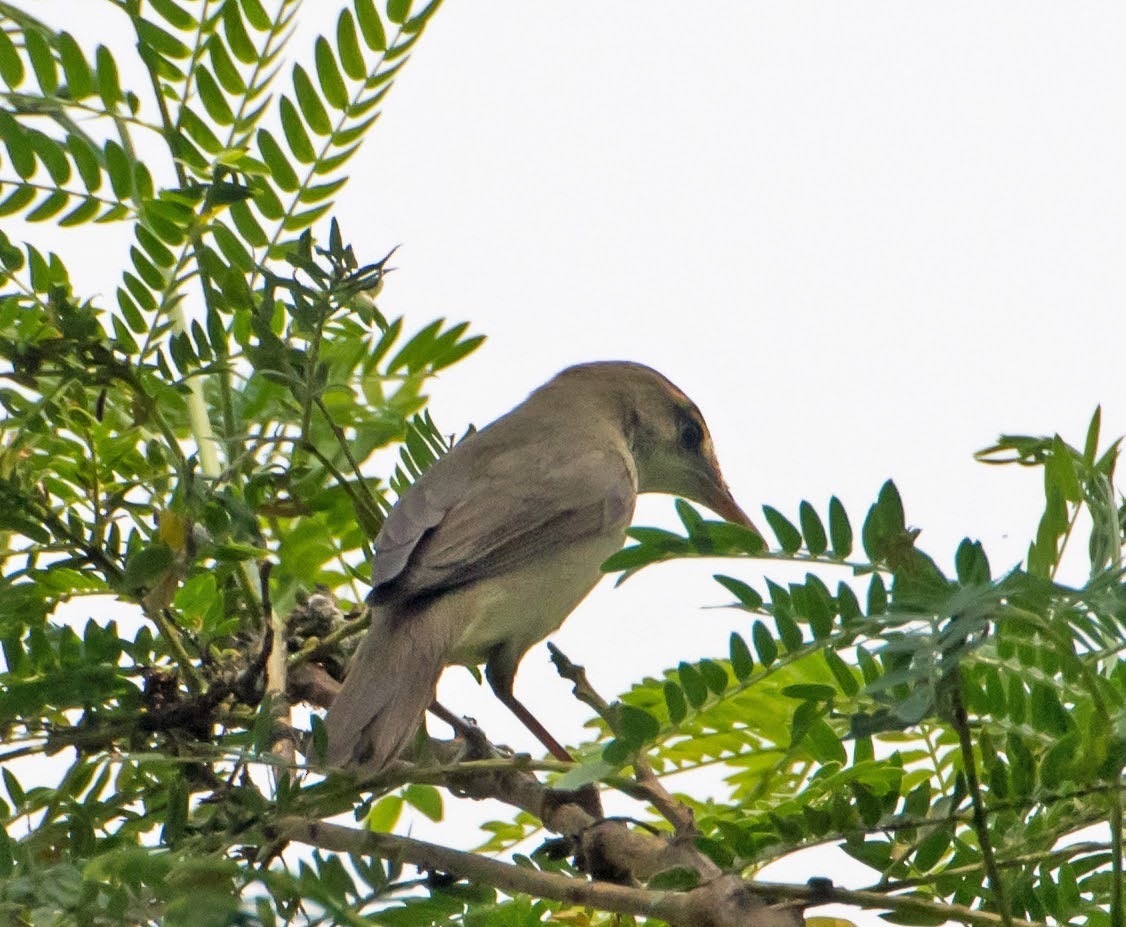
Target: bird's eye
{"points": [[691, 435]]}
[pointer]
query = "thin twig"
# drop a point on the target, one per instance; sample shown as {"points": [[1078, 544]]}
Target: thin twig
{"points": [[819, 893], [960, 722], [314, 647], [163, 620], [276, 668], [675, 812]]}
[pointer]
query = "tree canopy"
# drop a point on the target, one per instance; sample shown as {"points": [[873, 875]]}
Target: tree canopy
{"points": [[206, 458]]}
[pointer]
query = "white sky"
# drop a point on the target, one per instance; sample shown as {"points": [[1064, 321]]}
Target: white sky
{"points": [[866, 237]]}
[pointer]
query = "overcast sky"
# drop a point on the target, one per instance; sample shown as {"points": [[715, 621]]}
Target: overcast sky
{"points": [[866, 237]]}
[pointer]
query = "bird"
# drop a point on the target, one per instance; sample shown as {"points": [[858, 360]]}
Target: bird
{"points": [[493, 546]]}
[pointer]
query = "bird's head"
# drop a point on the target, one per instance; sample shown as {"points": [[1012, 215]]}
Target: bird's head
{"points": [[671, 446]]}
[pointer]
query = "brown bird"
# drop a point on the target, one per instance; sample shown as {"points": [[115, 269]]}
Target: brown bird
{"points": [[497, 543]]}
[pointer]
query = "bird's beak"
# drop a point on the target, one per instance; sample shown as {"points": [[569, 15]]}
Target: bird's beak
{"points": [[717, 497]]}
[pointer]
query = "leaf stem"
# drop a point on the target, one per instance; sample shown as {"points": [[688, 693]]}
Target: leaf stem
{"points": [[960, 723]]}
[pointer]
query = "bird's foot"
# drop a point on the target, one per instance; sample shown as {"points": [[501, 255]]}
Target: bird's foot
{"points": [[474, 744], [586, 797]]}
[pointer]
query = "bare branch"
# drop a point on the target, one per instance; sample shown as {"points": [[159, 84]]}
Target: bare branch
{"points": [[726, 902], [678, 814]]}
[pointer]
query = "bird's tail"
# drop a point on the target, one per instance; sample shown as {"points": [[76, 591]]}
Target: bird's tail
{"points": [[389, 686]]}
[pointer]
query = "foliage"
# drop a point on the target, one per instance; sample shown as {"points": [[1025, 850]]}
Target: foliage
{"points": [[958, 734], [202, 455], [227, 408]]}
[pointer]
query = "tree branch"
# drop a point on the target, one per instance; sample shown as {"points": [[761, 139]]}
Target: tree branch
{"points": [[714, 904], [678, 814], [822, 891], [960, 722]]}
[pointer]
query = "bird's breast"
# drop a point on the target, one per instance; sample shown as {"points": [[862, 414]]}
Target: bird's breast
{"points": [[522, 607]]}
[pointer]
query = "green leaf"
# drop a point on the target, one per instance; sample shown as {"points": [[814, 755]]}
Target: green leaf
{"points": [[232, 249], [812, 529], [693, 683], [11, 67], [52, 155], [384, 814], [839, 529], [693, 525], [1048, 714], [50, 206], [109, 84], [83, 212], [631, 558], [154, 247], [675, 702], [79, 78], [175, 15], [932, 849], [419, 20], [348, 47], [885, 523], [161, 41], [789, 538], [281, 170], [146, 564], [809, 691], [316, 116], [971, 563], [257, 16], [17, 200], [398, 11], [211, 95], [237, 38], [637, 726], [715, 676], [42, 61], [891, 508], [200, 132], [19, 146], [426, 799], [12, 785], [842, 672], [617, 753], [371, 28], [742, 665], [248, 226], [332, 84], [1059, 469], [765, 647], [1091, 444], [226, 72], [825, 744], [748, 597], [1055, 766], [295, 135], [877, 595]]}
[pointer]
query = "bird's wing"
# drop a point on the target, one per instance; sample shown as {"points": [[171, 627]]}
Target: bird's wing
{"points": [[496, 509]]}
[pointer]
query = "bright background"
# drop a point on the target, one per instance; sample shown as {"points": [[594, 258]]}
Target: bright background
{"points": [[865, 237]]}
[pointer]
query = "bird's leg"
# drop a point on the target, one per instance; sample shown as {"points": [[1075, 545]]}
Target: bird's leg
{"points": [[501, 678], [501, 675], [529, 721]]}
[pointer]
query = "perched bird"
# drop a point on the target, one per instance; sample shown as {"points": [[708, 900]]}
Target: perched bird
{"points": [[494, 546]]}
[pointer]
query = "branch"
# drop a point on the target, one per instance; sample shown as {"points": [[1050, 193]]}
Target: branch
{"points": [[822, 891], [315, 647], [961, 724], [678, 814], [715, 903], [276, 667]]}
